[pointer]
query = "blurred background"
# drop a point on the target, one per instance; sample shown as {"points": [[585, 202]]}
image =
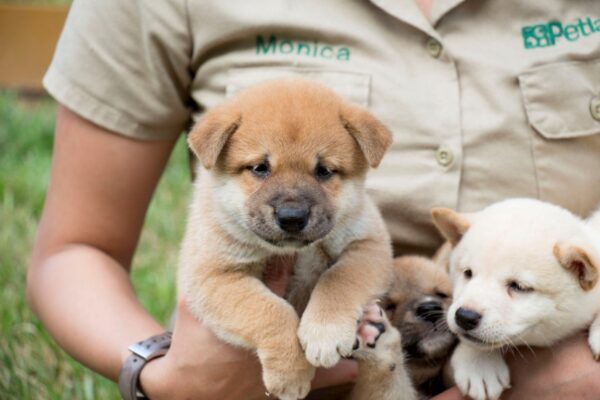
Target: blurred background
{"points": [[31, 365]]}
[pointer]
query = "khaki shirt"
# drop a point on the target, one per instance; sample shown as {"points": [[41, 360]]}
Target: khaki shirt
{"points": [[491, 99]]}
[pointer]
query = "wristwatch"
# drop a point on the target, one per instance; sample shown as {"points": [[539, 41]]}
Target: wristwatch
{"points": [[141, 353]]}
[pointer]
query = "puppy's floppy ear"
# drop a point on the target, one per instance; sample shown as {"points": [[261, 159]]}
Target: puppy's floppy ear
{"points": [[452, 225], [580, 259], [372, 136], [442, 255], [211, 133]]}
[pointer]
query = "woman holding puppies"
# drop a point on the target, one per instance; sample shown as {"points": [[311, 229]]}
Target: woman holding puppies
{"points": [[486, 100]]}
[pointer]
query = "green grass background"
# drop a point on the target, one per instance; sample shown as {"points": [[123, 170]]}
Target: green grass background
{"points": [[31, 365]]}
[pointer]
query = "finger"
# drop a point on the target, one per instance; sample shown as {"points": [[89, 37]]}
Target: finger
{"points": [[278, 272], [344, 372], [450, 394]]}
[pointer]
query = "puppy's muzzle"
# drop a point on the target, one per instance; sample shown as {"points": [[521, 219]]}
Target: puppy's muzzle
{"points": [[292, 218], [467, 319]]}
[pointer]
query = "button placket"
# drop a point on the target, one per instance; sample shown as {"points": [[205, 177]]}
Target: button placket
{"points": [[444, 89]]}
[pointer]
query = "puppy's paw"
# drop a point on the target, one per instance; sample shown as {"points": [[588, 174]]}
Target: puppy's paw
{"points": [[377, 341], [292, 382], [480, 375], [594, 339], [325, 341], [594, 342], [371, 326]]}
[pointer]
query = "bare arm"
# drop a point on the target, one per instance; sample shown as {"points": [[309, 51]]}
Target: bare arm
{"points": [[100, 187]]}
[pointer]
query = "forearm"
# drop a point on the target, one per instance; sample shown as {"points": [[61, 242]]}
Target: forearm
{"points": [[86, 301]]}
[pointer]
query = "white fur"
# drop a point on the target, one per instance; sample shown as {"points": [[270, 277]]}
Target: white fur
{"points": [[514, 240], [479, 375]]}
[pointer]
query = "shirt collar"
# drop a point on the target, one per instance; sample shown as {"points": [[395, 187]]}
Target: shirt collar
{"points": [[408, 12]]}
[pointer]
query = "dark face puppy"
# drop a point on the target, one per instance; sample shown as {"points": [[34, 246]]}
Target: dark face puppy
{"points": [[417, 304], [288, 159]]}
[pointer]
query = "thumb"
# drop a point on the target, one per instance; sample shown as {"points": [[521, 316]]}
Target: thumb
{"points": [[344, 372], [278, 272], [450, 394]]}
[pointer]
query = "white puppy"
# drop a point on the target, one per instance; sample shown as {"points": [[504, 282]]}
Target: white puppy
{"points": [[524, 273]]}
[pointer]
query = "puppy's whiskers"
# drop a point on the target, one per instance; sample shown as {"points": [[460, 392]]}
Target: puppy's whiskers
{"points": [[441, 324], [513, 348], [509, 346]]}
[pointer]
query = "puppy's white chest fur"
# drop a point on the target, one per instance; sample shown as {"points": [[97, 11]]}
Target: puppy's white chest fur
{"points": [[310, 265]]}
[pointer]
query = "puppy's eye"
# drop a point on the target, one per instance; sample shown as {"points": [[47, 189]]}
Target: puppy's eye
{"points": [[260, 170], [517, 287], [323, 173], [441, 295], [468, 273], [390, 307]]}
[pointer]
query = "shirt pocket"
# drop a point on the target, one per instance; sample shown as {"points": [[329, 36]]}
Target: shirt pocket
{"points": [[353, 86], [559, 99]]}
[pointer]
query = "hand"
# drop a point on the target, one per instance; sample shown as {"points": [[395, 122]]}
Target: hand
{"points": [[565, 371], [200, 366]]}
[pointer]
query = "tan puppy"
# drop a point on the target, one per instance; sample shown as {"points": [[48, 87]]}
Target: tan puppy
{"points": [[282, 171], [417, 304], [524, 272]]}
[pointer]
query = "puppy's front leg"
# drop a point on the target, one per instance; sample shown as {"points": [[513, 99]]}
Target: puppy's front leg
{"points": [[328, 325], [479, 374], [382, 373], [243, 311]]}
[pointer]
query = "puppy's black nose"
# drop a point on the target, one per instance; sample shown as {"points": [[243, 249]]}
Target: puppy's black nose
{"points": [[430, 311], [292, 219], [467, 319]]}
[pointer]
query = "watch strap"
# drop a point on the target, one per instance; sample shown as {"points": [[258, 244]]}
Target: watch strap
{"points": [[141, 353]]}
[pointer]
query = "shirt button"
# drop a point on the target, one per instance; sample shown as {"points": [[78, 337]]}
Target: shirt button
{"points": [[444, 156], [595, 108], [434, 48]]}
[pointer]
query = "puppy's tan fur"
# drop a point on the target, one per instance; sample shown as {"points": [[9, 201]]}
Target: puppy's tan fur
{"points": [[427, 341], [382, 375], [343, 257]]}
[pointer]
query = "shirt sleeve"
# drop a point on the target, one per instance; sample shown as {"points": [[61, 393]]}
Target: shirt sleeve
{"points": [[125, 66]]}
